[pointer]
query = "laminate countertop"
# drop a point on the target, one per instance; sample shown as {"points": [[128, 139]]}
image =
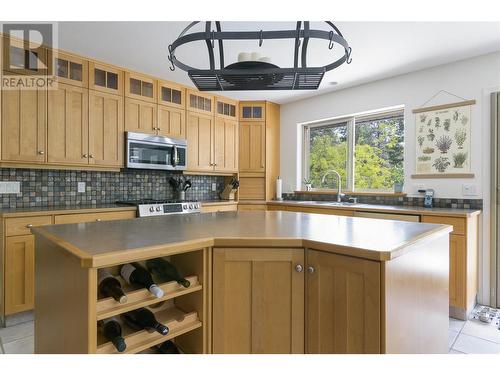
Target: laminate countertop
{"points": [[435, 211], [113, 242]]}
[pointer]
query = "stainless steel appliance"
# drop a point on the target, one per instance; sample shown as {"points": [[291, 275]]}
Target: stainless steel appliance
{"points": [[151, 207], [146, 151]]}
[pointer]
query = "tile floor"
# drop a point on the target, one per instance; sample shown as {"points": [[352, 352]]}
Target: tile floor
{"points": [[470, 337]]}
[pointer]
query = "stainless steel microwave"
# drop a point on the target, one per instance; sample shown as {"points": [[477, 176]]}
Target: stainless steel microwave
{"points": [[146, 151]]}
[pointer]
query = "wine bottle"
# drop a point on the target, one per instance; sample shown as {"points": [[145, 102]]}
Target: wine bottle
{"points": [[167, 347], [144, 319], [165, 271], [112, 330], [136, 274], [109, 286]]}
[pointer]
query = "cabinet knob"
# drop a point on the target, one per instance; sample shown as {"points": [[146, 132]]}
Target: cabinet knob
{"points": [[41, 152], [311, 269], [97, 219], [29, 226], [85, 156], [299, 268], [91, 156]]}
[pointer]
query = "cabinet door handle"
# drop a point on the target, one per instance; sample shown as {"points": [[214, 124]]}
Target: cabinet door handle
{"points": [[29, 226], [85, 156], [311, 269], [98, 219], [41, 152], [91, 156], [299, 268]]}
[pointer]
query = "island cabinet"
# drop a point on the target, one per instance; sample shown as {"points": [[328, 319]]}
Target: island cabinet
{"points": [[258, 301], [270, 300]]}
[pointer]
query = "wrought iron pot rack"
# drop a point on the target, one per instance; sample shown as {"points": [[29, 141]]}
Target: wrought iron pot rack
{"points": [[258, 75]]}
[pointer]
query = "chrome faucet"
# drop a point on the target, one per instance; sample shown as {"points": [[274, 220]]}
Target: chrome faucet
{"points": [[339, 183]]}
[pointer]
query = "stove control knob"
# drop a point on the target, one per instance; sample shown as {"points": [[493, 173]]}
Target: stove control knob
{"points": [[196, 206], [158, 208], [151, 209], [185, 206], [190, 206]]}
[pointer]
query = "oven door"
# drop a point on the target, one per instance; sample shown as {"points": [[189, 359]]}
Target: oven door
{"points": [[151, 155]]}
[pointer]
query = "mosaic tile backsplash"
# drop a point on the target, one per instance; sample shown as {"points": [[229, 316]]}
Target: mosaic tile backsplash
{"points": [[42, 188], [391, 201]]}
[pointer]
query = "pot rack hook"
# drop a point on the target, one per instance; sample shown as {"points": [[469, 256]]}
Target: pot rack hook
{"points": [[260, 38], [330, 35], [349, 59]]}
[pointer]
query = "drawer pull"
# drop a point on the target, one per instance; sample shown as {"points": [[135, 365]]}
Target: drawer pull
{"points": [[98, 219], [29, 226]]}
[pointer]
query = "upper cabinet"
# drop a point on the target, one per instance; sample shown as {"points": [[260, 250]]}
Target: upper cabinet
{"points": [[140, 116], [67, 120], [253, 111], [72, 70], [24, 125], [105, 78], [17, 59], [171, 94], [226, 108], [226, 136], [142, 87], [200, 102]]}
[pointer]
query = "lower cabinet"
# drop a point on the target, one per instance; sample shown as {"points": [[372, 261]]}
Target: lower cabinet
{"points": [[258, 300], [458, 270], [276, 301], [343, 304], [19, 273]]}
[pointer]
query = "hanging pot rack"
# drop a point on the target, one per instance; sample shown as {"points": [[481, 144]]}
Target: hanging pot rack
{"points": [[258, 76]]}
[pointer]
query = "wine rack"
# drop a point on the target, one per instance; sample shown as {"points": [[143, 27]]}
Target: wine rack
{"points": [[182, 310]]}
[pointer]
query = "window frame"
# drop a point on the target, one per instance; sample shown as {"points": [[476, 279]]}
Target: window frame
{"points": [[351, 136]]}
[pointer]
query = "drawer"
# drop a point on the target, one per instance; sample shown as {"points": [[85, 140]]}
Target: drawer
{"points": [[219, 208], [17, 226], [458, 223], [384, 216], [98, 216], [251, 207]]}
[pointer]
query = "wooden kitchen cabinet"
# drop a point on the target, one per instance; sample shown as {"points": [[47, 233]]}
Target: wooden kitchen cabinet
{"points": [[252, 146], [258, 301], [140, 116], [171, 122], [105, 129], [199, 134], [252, 111], [458, 270], [71, 70], [226, 145], [67, 125], [19, 273], [343, 304], [105, 78], [200, 102], [141, 87], [24, 125], [171, 94]]}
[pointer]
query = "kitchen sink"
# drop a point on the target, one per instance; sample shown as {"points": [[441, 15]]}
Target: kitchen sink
{"points": [[330, 203]]}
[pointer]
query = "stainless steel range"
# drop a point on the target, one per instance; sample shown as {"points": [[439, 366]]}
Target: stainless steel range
{"points": [[151, 207]]}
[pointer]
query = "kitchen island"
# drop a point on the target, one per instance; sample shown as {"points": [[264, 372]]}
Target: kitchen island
{"points": [[261, 282]]}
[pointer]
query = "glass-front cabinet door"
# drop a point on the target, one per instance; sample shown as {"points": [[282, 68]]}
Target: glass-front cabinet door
{"points": [[252, 111], [142, 87], [70, 69], [171, 94], [105, 78]]}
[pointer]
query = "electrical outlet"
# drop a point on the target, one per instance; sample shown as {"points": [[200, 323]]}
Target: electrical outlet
{"points": [[469, 190], [10, 187], [214, 186], [81, 187], [419, 187]]}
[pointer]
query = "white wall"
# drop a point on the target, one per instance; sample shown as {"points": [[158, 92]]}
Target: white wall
{"points": [[473, 78]]}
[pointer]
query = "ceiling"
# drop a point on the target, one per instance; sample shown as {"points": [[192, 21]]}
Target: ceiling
{"points": [[379, 49]]}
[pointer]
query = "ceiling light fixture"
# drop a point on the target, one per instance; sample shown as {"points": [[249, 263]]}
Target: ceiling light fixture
{"points": [[259, 74]]}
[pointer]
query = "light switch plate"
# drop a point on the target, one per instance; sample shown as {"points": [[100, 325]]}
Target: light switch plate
{"points": [[81, 187], [10, 187], [214, 186], [469, 190]]}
